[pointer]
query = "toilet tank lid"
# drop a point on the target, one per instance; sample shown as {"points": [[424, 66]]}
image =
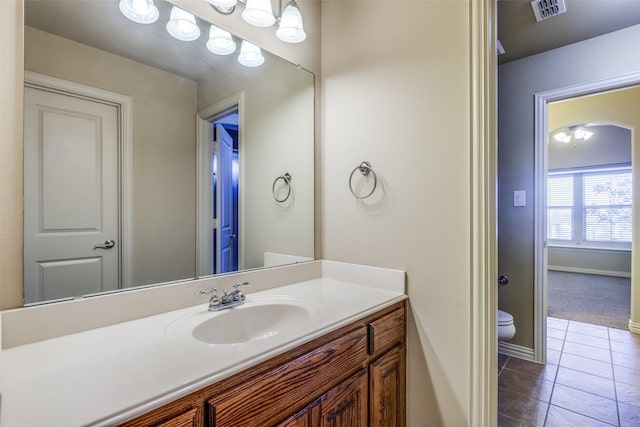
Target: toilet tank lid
{"points": [[504, 318]]}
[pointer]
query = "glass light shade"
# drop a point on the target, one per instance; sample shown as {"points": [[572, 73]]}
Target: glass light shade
{"points": [[562, 136], [224, 6], [140, 11], [220, 41], [250, 55], [259, 13], [290, 29], [582, 133], [182, 25]]}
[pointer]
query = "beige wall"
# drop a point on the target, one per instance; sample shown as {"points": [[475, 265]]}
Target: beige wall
{"points": [[599, 58], [163, 156], [277, 137], [395, 92]]}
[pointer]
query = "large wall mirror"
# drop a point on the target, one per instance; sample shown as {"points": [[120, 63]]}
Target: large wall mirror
{"points": [[150, 159]]}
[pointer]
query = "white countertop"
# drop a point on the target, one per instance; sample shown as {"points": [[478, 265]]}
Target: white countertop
{"points": [[112, 374]]}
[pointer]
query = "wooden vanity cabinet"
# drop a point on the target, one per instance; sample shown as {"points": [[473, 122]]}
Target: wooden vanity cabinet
{"points": [[351, 377]]}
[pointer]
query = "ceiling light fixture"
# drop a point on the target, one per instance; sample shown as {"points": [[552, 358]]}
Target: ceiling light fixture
{"points": [[140, 11], [250, 55], [290, 29], [220, 41], [577, 132], [182, 25], [563, 137], [582, 133]]}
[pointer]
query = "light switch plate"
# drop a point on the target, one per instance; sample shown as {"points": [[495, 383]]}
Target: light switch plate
{"points": [[519, 198]]}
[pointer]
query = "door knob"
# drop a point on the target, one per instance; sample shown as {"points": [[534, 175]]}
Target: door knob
{"points": [[108, 244]]}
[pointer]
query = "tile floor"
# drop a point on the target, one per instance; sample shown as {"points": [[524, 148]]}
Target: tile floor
{"points": [[592, 378]]}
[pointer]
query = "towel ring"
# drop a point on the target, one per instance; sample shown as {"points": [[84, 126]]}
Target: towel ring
{"points": [[364, 168], [286, 179]]}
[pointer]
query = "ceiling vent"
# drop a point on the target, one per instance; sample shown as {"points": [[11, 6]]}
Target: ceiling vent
{"points": [[545, 9]]}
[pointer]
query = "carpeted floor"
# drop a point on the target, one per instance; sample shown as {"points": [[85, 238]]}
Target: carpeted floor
{"points": [[589, 298]]}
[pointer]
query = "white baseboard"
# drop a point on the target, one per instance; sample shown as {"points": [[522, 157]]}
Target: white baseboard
{"points": [[634, 327], [626, 274], [516, 351]]}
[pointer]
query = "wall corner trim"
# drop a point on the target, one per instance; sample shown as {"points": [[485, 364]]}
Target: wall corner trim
{"points": [[483, 399]]}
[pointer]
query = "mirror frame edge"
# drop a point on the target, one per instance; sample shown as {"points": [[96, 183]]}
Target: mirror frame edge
{"points": [[11, 156]]}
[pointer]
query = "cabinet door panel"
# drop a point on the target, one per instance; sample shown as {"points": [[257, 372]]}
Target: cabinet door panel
{"points": [[308, 417], [264, 399], [165, 417], [387, 390], [346, 404]]}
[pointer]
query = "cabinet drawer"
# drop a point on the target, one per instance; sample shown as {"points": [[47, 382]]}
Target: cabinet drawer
{"points": [[385, 332], [261, 401]]}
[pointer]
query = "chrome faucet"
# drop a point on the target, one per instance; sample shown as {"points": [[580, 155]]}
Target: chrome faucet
{"points": [[235, 298]]}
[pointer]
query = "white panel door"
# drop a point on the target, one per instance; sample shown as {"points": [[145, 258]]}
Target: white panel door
{"points": [[71, 196], [226, 238]]}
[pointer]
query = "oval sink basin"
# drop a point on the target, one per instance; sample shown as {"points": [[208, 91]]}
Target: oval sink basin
{"points": [[255, 320], [249, 323]]}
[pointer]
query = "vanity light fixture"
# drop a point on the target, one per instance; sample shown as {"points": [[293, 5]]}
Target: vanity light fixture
{"points": [[250, 55], [223, 6], [258, 13], [182, 25], [220, 41], [290, 29], [140, 11]]}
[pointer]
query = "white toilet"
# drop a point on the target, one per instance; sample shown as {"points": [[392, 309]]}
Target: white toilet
{"points": [[506, 328]]}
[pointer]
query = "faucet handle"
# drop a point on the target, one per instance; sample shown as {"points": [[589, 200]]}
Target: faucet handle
{"points": [[213, 291], [237, 285]]}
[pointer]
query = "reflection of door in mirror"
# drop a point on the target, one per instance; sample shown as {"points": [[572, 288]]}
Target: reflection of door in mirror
{"points": [[71, 195], [225, 185], [219, 235]]}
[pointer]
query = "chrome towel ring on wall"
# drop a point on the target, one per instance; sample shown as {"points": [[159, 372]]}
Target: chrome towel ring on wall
{"points": [[286, 180], [365, 169]]}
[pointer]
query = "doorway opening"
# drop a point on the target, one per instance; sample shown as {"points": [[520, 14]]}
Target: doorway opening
{"points": [[220, 188], [589, 232], [589, 220], [224, 186]]}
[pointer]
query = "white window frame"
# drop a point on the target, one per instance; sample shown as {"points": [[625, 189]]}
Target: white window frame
{"points": [[578, 218]]}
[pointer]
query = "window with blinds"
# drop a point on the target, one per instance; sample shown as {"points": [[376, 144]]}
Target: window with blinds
{"points": [[560, 207], [590, 205], [607, 207]]}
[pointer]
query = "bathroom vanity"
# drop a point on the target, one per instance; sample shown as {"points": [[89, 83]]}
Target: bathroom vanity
{"points": [[346, 377], [315, 343]]}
